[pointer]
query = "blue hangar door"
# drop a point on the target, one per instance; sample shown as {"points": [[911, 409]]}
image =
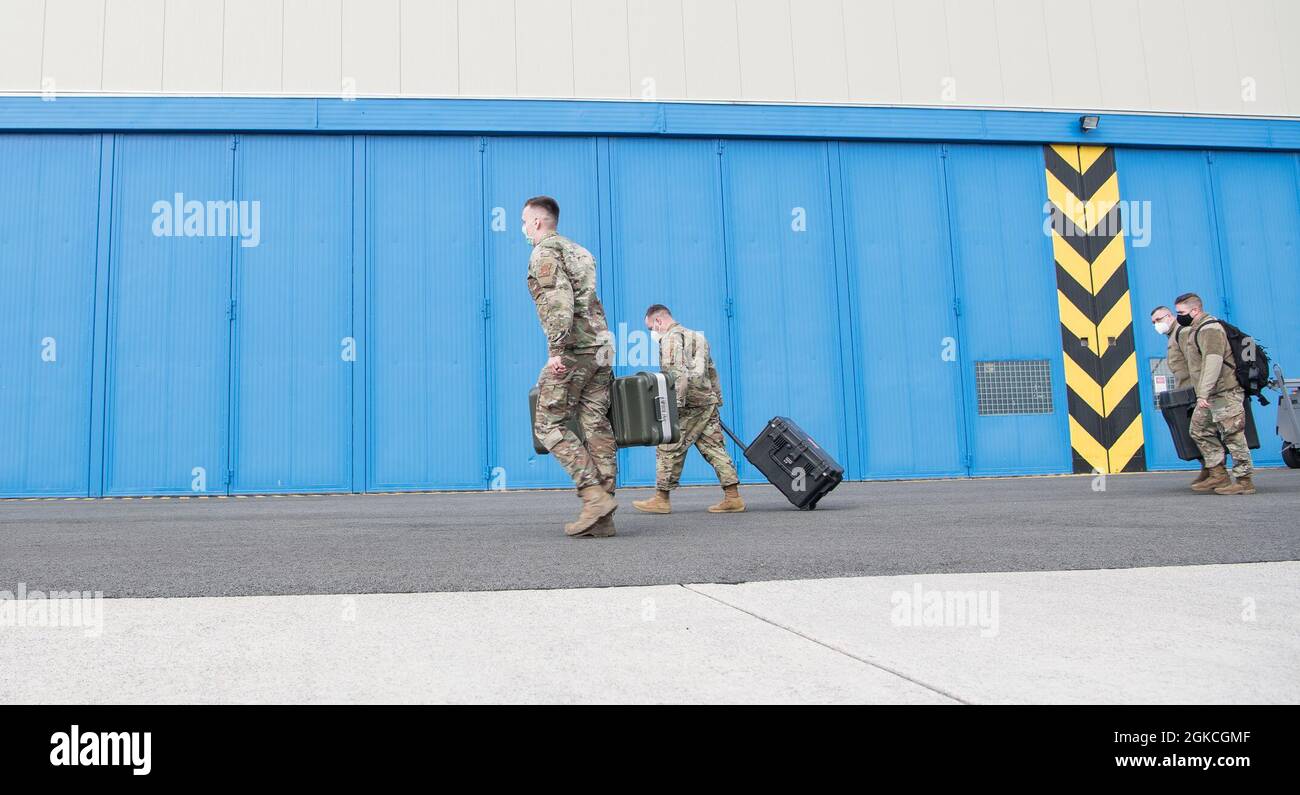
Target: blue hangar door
{"points": [[49, 198], [425, 314], [293, 359], [515, 169], [167, 393], [1223, 225], [668, 249]]}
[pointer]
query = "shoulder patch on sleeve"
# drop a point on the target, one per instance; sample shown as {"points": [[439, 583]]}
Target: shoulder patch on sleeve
{"points": [[546, 266]]}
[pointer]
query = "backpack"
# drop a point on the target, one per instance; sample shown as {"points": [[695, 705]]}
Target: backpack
{"points": [[1250, 357]]}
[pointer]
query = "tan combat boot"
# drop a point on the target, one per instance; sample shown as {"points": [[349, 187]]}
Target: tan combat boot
{"points": [[1242, 486], [603, 528], [1205, 473], [1218, 477], [657, 504], [596, 502], [731, 502], [608, 485]]}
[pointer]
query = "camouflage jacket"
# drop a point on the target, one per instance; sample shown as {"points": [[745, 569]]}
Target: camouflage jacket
{"points": [[1197, 345], [685, 360], [562, 281]]}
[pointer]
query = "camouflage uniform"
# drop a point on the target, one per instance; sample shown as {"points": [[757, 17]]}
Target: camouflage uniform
{"points": [[1176, 360], [1223, 424], [562, 281], [685, 360]]}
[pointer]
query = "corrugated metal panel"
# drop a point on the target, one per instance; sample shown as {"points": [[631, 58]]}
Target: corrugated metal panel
{"points": [[1257, 203], [168, 337], [1174, 251], [1008, 301], [514, 170], [668, 248], [48, 209], [896, 228], [292, 407], [766, 51], [428, 407], [785, 291], [872, 63]]}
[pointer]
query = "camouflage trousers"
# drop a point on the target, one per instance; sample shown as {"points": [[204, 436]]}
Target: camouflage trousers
{"points": [[702, 428], [582, 390], [1224, 420]]}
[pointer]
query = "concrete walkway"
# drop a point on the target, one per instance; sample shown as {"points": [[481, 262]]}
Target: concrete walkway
{"points": [[1203, 634]]}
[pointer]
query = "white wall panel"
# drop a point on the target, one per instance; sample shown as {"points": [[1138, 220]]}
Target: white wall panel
{"points": [[21, 38], [1288, 22], [600, 57], [656, 49], [312, 56], [544, 47], [1167, 55], [1025, 63], [1187, 56], [922, 50], [766, 50], [871, 55], [1072, 51], [74, 44], [1254, 28], [252, 55], [1121, 59], [820, 66], [430, 48], [1214, 57], [973, 51], [487, 48], [133, 45], [372, 46], [712, 49], [193, 33]]}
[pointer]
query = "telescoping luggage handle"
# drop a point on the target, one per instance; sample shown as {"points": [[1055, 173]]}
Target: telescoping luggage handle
{"points": [[743, 447]]}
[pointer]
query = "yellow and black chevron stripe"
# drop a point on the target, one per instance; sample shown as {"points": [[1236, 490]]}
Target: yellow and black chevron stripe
{"points": [[1101, 369]]}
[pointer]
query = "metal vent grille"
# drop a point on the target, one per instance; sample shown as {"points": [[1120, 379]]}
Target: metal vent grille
{"points": [[1014, 387]]}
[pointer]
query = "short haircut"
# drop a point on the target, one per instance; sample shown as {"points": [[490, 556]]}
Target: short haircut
{"points": [[1188, 298], [1162, 306], [656, 309], [548, 205]]}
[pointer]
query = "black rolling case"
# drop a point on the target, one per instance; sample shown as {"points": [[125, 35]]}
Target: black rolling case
{"points": [[793, 462], [1176, 406]]}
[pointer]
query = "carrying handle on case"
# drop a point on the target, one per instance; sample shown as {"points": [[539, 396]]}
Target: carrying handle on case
{"points": [[733, 436]]}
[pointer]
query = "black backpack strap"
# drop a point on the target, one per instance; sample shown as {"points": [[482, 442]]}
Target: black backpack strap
{"points": [[1196, 337]]}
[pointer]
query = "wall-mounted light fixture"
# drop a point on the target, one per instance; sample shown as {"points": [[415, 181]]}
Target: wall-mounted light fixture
{"points": [[1089, 123]]}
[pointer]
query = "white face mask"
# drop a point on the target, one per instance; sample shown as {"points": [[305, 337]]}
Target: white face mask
{"points": [[1163, 327]]}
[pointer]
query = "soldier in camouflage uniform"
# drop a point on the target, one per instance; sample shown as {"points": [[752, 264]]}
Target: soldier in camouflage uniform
{"points": [[685, 360], [1162, 319], [1220, 412], [577, 377]]}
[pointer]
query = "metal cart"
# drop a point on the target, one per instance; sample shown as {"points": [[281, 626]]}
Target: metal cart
{"points": [[1288, 416]]}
